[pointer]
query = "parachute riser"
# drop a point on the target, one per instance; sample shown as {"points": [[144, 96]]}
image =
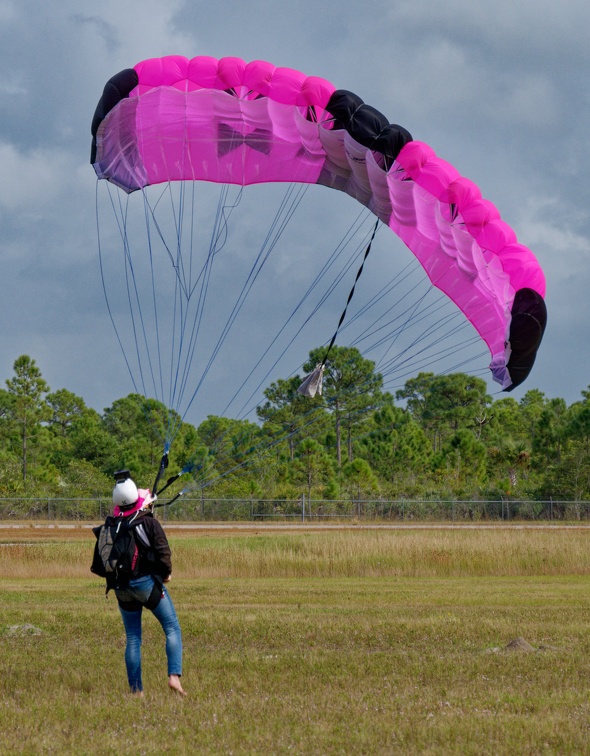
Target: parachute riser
{"points": [[157, 491], [162, 468], [168, 503]]}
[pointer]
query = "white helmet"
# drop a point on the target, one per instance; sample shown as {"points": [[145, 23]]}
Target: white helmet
{"points": [[125, 493]]}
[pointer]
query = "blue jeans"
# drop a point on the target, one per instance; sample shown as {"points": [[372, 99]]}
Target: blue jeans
{"points": [[139, 590]]}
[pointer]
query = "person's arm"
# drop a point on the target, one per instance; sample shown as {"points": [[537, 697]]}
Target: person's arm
{"points": [[162, 550]]}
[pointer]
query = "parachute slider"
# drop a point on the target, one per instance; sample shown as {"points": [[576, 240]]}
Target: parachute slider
{"points": [[312, 383]]}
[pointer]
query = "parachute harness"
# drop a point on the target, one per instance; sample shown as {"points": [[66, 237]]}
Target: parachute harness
{"points": [[312, 383]]}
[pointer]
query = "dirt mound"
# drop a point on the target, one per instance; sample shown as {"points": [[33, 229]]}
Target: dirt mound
{"points": [[520, 645]]}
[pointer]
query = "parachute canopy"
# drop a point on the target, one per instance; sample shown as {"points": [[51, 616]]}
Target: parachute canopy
{"points": [[232, 122]]}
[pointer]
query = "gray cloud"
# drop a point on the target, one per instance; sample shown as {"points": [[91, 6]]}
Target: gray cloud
{"points": [[496, 89]]}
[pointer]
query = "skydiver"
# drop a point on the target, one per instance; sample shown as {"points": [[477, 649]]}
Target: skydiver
{"points": [[146, 588]]}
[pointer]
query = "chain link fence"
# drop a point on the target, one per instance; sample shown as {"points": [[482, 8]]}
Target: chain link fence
{"points": [[303, 509]]}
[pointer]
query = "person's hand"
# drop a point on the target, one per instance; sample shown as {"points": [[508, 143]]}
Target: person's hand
{"points": [[168, 579], [148, 498]]}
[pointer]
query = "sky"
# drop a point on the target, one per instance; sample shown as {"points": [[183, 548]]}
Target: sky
{"points": [[497, 89]]}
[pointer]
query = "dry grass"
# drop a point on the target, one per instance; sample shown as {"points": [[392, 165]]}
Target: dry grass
{"points": [[269, 552], [400, 553]]}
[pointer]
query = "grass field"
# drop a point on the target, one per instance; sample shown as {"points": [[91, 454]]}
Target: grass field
{"points": [[343, 642]]}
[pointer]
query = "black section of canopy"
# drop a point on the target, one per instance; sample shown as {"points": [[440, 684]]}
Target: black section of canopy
{"points": [[366, 125], [116, 89], [529, 318]]}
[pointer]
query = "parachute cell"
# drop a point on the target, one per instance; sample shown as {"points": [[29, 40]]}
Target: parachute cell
{"points": [[232, 122]]}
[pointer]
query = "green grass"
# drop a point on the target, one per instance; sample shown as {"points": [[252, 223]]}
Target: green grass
{"points": [[350, 661]]}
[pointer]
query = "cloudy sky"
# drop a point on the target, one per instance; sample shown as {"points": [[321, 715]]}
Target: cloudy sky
{"points": [[498, 89]]}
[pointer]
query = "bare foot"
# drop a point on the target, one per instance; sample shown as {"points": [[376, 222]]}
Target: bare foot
{"points": [[174, 684], [137, 693]]}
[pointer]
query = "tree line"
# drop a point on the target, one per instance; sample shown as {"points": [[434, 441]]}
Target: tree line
{"points": [[440, 436]]}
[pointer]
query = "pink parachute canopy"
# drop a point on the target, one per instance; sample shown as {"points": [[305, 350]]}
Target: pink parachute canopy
{"points": [[228, 121]]}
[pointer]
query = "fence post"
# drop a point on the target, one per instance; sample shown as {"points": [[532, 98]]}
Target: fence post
{"points": [[302, 507]]}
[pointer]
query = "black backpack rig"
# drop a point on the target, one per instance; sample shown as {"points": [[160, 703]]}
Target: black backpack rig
{"points": [[116, 553]]}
